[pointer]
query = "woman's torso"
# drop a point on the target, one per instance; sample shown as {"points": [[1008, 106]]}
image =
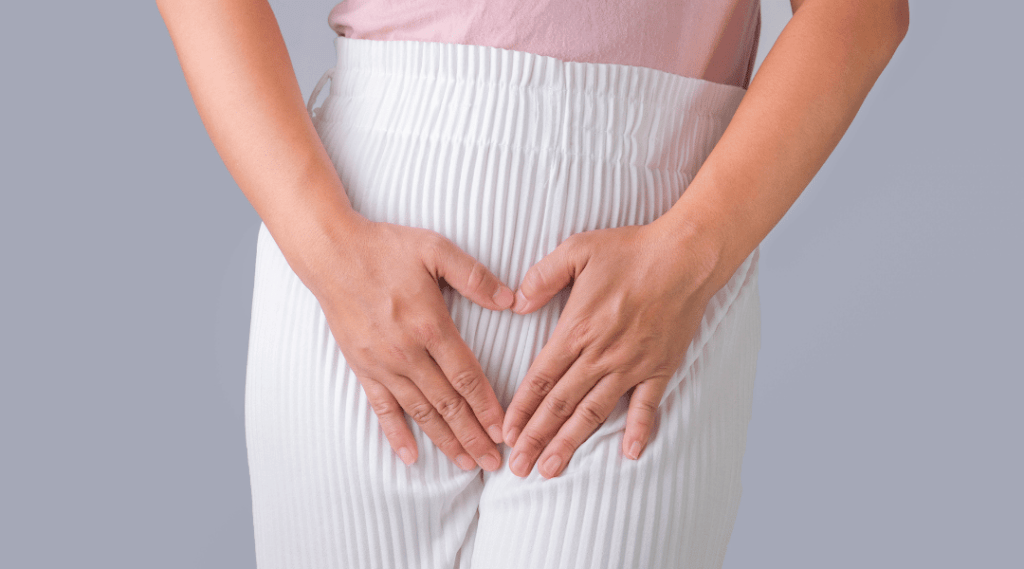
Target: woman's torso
{"points": [[715, 40]]}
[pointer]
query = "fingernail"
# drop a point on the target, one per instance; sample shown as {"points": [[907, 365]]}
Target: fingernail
{"points": [[513, 435], [406, 455], [552, 464], [520, 303], [495, 432], [634, 450], [465, 462], [520, 464], [489, 462], [503, 297]]}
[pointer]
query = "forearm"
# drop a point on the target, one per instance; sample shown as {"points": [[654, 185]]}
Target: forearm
{"points": [[797, 108], [242, 81]]}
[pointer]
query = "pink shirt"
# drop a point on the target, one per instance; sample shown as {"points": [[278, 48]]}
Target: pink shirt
{"points": [[714, 40]]}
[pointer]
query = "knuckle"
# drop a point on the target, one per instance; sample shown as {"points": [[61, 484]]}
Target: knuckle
{"points": [[473, 442], [477, 276], [591, 413], [421, 412], [447, 443], [622, 380], [541, 384], [573, 241], [663, 371], [643, 415], [451, 407], [362, 372], [535, 279], [638, 359], [397, 352], [428, 332], [369, 380], [559, 407], [643, 423], [353, 343], [465, 381], [437, 246], [576, 245], [598, 364], [531, 443], [382, 407], [565, 446], [580, 336], [645, 407]]}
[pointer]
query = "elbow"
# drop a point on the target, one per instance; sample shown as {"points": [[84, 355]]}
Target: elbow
{"points": [[901, 19], [890, 21], [887, 20]]}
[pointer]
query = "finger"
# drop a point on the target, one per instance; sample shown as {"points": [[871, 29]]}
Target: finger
{"points": [[548, 276], [459, 364], [391, 417], [455, 411], [547, 369], [422, 411], [592, 411], [643, 407], [554, 410], [468, 276]]}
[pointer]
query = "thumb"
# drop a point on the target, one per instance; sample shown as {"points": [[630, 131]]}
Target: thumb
{"points": [[470, 277], [548, 276]]}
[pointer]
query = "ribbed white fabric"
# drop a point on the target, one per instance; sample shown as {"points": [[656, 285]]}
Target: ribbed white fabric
{"points": [[507, 153]]}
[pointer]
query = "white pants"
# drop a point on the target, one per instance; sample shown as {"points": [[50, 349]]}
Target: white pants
{"points": [[507, 153]]}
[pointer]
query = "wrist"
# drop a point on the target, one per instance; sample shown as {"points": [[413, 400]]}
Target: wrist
{"points": [[313, 228], [705, 240]]}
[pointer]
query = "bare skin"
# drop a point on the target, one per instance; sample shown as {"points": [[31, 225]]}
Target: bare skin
{"points": [[614, 336], [639, 292]]}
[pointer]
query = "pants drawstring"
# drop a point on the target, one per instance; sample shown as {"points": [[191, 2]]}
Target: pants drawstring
{"points": [[329, 74]]}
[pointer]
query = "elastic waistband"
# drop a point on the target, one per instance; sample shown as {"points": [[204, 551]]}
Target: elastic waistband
{"points": [[531, 72], [497, 97]]}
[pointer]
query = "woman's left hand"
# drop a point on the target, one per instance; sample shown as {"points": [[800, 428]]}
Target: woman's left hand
{"points": [[638, 296]]}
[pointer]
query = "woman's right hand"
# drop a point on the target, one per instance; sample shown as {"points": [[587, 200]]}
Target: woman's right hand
{"points": [[379, 288], [377, 283]]}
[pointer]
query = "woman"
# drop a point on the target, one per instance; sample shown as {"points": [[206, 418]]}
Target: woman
{"points": [[538, 145]]}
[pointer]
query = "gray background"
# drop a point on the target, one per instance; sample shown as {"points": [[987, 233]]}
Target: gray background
{"points": [[886, 428]]}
